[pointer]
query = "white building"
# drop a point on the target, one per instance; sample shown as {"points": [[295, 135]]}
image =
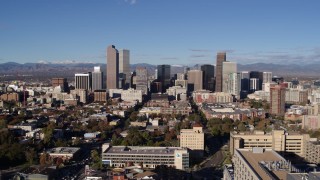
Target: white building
{"points": [[127, 95], [227, 68], [147, 157]]}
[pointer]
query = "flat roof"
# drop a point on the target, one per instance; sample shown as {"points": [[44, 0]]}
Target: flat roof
{"points": [[255, 159], [142, 150], [63, 150]]}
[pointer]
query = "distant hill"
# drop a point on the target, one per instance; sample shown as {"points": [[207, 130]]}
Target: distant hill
{"points": [[72, 68]]}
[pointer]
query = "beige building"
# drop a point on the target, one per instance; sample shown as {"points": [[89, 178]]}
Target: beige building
{"points": [[192, 138], [127, 95], [257, 163], [195, 80], [312, 150], [277, 140], [147, 157], [311, 122]]}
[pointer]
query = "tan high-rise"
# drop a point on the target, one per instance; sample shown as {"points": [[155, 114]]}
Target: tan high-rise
{"points": [[112, 67], [221, 57], [195, 80], [124, 66]]}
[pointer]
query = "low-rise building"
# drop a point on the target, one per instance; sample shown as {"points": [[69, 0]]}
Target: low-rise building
{"points": [[277, 140], [222, 111], [202, 96], [311, 122], [147, 157], [65, 153]]}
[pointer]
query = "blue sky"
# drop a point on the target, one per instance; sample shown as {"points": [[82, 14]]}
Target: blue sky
{"points": [[160, 31]]}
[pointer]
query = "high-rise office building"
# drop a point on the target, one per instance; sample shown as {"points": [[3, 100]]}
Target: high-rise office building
{"points": [[277, 100], [267, 77], [254, 85], [208, 77], [245, 84], [83, 81], [124, 67], [62, 82], [227, 69], [96, 78], [112, 67], [142, 79], [163, 76], [221, 57], [257, 75], [195, 79]]}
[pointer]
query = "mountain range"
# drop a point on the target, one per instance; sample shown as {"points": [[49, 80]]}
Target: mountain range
{"points": [[289, 70]]}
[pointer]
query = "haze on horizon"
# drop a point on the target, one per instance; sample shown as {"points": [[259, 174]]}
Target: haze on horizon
{"points": [[160, 32]]}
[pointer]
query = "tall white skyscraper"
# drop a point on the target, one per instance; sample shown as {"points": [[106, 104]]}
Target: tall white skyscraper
{"points": [[97, 78], [234, 85], [124, 66], [227, 69]]}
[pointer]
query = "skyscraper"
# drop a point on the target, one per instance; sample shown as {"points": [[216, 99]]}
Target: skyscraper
{"points": [[112, 67], [277, 100], [124, 67], [163, 76], [83, 81], [257, 75], [234, 84], [195, 79], [96, 78], [267, 77], [221, 57], [208, 77], [227, 69], [142, 79], [254, 85], [61, 82]]}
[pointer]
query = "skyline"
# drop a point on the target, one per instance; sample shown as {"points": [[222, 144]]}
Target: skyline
{"points": [[160, 32]]}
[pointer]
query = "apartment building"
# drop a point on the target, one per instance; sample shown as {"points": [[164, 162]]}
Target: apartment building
{"points": [[147, 157], [193, 139], [277, 140]]}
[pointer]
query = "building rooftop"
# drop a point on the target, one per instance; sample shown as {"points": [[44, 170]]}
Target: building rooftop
{"points": [[63, 150], [267, 163], [142, 150]]}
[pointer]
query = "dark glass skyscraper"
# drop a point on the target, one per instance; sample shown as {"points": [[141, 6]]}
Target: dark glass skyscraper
{"points": [[221, 57], [163, 76], [208, 77]]}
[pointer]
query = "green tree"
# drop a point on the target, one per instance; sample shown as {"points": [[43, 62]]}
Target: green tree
{"points": [[96, 160], [31, 155]]}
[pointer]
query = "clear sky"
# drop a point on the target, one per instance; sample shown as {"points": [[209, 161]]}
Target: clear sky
{"points": [[160, 31]]}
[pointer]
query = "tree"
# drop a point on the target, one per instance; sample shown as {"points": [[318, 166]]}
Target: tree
{"points": [[48, 134], [30, 154], [96, 160], [45, 159]]}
